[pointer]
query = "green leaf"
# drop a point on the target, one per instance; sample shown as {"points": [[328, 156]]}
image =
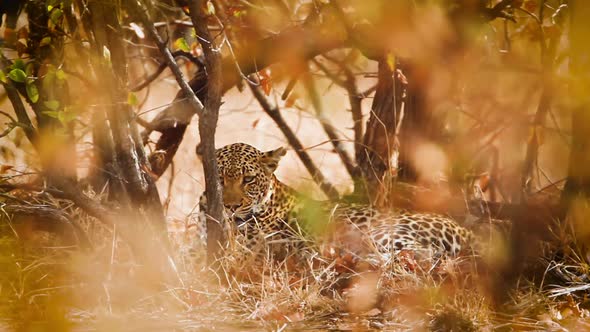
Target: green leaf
{"points": [[52, 104], [181, 44], [52, 114], [239, 13], [45, 41], [17, 75], [51, 4], [56, 13], [132, 99], [30, 67], [48, 80], [3, 78], [32, 92], [60, 75], [18, 64]]}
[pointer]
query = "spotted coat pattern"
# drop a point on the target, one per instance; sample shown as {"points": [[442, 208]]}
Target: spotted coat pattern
{"points": [[265, 211]]}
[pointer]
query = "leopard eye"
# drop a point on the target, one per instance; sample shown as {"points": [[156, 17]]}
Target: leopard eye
{"points": [[248, 179]]}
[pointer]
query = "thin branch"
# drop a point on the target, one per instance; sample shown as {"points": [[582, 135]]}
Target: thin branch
{"points": [[170, 187], [21, 113], [333, 77], [10, 125], [275, 114], [305, 40], [163, 66], [150, 252], [355, 99], [532, 152], [328, 128], [290, 86], [498, 11], [369, 91], [194, 102]]}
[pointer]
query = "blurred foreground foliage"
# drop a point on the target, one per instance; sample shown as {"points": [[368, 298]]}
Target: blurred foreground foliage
{"points": [[446, 102]]}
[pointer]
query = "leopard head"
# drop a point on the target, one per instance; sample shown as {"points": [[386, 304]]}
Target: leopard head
{"points": [[246, 175]]}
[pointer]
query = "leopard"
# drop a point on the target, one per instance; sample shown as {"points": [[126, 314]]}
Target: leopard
{"points": [[263, 211]]}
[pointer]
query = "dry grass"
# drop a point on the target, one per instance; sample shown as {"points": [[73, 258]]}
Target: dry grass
{"points": [[49, 287]]}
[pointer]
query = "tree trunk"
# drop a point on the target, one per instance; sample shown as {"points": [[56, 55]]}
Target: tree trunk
{"points": [[378, 157], [207, 127], [129, 160]]}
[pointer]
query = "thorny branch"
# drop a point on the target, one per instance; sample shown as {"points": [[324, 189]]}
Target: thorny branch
{"points": [[327, 126], [354, 96]]}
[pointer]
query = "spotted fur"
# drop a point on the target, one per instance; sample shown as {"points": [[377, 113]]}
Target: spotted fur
{"points": [[264, 210]]}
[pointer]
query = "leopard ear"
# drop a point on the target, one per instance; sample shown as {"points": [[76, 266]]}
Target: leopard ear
{"points": [[270, 159]]}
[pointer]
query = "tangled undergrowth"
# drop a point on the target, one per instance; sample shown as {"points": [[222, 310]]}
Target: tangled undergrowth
{"points": [[49, 286]]}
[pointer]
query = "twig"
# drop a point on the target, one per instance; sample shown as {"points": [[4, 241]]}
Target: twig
{"points": [[498, 11], [333, 77], [299, 39], [170, 187], [19, 109], [532, 152], [275, 114], [369, 91], [130, 230], [328, 128], [194, 102], [290, 86], [163, 66], [355, 99]]}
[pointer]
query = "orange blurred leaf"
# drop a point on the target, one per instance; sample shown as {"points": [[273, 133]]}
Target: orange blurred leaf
{"points": [[484, 182], [5, 168], [551, 31], [530, 5], [265, 81]]}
